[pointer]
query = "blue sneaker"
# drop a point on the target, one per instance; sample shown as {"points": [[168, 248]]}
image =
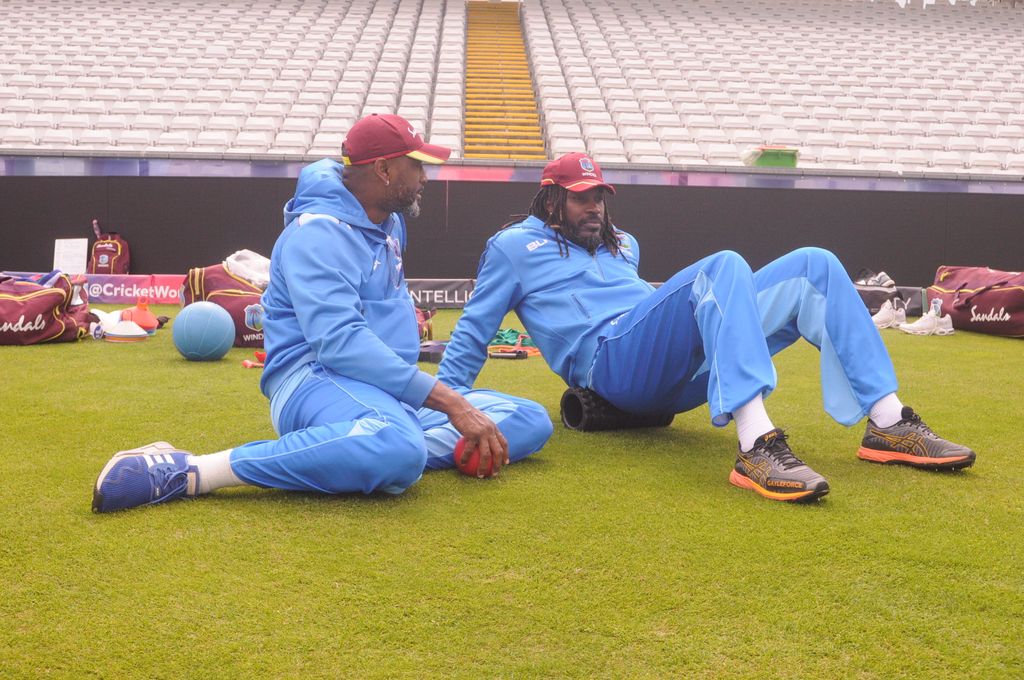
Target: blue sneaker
{"points": [[147, 475]]}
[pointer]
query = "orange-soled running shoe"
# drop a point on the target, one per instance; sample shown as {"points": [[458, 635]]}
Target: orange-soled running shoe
{"points": [[771, 469], [911, 442]]}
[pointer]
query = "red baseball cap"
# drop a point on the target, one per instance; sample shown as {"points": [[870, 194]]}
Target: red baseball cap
{"points": [[385, 135], [575, 172]]}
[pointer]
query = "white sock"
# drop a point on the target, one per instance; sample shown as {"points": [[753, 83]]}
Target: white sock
{"points": [[752, 421], [215, 471], [887, 411]]}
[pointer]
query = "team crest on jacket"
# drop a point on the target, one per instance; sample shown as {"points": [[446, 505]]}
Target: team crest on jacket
{"points": [[254, 317]]}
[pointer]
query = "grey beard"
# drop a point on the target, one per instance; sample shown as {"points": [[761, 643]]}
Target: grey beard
{"points": [[412, 210]]}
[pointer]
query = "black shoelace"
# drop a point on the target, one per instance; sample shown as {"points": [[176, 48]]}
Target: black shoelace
{"points": [[914, 421], [780, 452]]}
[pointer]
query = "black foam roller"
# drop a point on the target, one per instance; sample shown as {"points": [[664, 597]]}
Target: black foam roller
{"points": [[586, 411]]}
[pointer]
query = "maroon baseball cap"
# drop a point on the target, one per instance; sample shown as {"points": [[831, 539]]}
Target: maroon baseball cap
{"points": [[575, 172], [385, 135]]}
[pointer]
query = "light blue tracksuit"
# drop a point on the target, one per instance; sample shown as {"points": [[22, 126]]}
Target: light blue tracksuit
{"points": [[706, 335], [345, 394]]}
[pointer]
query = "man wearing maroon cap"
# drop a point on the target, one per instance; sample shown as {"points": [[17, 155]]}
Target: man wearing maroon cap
{"points": [[353, 411], [705, 336]]}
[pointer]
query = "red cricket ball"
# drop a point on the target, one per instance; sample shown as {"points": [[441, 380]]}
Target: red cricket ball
{"points": [[472, 466]]}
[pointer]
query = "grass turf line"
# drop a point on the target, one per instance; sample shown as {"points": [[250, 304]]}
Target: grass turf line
{"points": [[619, 554]]}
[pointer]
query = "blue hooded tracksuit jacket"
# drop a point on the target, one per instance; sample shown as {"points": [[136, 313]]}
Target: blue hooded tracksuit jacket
{"points": [[338, 294], [342, 344], [706, 335], [563, 301]]}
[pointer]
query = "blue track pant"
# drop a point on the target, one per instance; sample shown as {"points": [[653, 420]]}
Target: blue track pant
{"points": [[340, 435], [707, 335]]}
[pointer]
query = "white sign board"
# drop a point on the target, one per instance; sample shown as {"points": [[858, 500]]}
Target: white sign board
{"points": [[71, 255]]}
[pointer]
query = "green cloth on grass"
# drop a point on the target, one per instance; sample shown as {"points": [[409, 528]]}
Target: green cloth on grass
{"points": [[510, 336]]}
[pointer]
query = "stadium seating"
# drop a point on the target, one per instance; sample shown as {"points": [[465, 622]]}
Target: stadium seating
{"points": [[879, 103], [852, 84], [501, 119]]}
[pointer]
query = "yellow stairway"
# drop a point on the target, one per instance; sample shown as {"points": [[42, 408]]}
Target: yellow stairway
{"points": [[501, 109]]}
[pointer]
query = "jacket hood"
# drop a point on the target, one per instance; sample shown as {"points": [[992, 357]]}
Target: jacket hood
{"points": [[319, 190], [535, 224]]}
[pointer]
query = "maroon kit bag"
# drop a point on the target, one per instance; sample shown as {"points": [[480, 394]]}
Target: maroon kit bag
{"points": [[981, 299], [239, 297], [31, 313], [110, 253]]}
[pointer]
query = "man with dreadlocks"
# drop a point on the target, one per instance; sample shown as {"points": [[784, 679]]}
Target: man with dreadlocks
{"points": [[706, 335]]}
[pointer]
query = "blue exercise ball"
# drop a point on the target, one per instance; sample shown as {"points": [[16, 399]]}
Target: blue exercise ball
{"points": [[203, 331]]}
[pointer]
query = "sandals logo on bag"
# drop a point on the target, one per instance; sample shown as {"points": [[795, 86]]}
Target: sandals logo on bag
{"points": [[32, 312], [20, 326], [991, 315]]}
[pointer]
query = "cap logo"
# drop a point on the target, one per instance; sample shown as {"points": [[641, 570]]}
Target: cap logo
{"points": [[412, 131], [576, 172]]}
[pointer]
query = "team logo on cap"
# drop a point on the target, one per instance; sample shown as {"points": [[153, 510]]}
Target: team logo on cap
{"points": [[587, 164]]}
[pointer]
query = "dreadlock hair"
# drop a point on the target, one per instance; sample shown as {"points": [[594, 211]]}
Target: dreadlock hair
{"points": [[556, 196]]}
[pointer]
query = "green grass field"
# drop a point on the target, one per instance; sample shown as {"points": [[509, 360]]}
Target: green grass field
{"points": [[607, 555]]}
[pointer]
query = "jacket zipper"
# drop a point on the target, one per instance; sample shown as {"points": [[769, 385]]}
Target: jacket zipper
{"points": [[597, 263]]}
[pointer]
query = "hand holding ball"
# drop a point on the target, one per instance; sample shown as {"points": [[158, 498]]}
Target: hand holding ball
{"points": [[472, 466], [203, 331]]}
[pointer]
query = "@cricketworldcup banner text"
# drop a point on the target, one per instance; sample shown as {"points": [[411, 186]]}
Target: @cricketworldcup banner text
{"points": [[117, 289]]}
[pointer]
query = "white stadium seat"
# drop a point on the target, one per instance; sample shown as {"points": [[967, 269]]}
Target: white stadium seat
{"points": [[136, 138], [948, 160], [253, 138], [18, 137]]}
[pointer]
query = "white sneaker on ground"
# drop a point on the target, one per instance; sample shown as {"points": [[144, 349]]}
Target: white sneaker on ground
{"points": [[932, 323], [892, 314]]}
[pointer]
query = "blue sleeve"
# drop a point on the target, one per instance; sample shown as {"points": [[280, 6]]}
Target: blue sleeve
{"points": [[323, 264], [497, 291]]}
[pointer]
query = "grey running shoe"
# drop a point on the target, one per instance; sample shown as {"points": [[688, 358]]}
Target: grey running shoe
{"points": [[911, 442], [771, 469], [866, 277]]}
